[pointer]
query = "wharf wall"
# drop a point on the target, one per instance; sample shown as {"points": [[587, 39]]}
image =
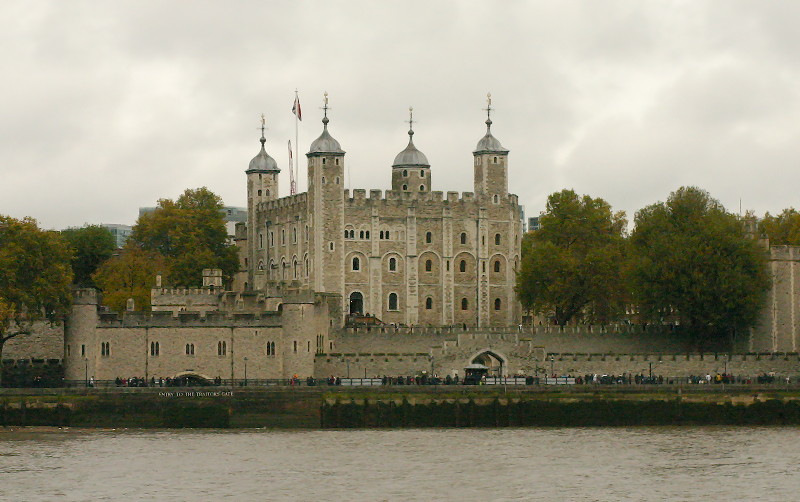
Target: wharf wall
{"points": [[327, 407]]}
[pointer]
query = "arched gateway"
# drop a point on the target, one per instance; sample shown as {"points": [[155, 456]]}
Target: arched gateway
{"points": [[496, 362]]}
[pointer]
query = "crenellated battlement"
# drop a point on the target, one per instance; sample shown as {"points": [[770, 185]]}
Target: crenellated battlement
{"points": [[291, 202], [189, 319], [359, 196], [611, 329], [784, 253]]}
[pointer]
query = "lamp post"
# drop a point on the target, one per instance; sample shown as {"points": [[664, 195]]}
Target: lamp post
{"points": [[245, 371], [348, 367], [552, 363]]}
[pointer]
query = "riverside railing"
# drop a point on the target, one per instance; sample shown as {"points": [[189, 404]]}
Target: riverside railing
{"points": [[520, 381]]}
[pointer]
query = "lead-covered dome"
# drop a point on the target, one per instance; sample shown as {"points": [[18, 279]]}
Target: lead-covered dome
{"points": [[488, 143], [263, 162], [411, 157], [325, 143]]}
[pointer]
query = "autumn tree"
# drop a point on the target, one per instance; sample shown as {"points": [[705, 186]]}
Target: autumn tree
{"points": [[783, 228], [190, 234], [692, 261], [131, 274], [91, 245], [35, 278], [571, 267]]}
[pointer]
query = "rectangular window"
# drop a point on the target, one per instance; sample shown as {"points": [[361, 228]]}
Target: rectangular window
{"points": [[295, 346], [83, 350]]}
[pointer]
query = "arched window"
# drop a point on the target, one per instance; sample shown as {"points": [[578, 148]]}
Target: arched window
{"points": [[405, 187], [496, 239], [497, 265], [392, 301], [269, 349], [352, 234], [428, 237], [356, 264], [392, 264], [272, 346], [483, 267], [464, 304], [367, 234], [283, 237], [462, 266], [463, 237], [422, 188], [405, 173], [428, 303], [495, 160], [496, 199], [346, 234], [294, 235], [259, 193], [387, 235], [422, 173], [294, 268], [380, 234], [497, 304], [428, 265], [361, 234]]}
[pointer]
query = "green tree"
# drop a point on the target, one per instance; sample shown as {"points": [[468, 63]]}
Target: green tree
{"points": [[692, 260], [190, 234], [35, 278], [571, 267], [131, 274], [91, 245], [783, 228]]}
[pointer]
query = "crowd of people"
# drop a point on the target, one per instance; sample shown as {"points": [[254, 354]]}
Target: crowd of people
{"points": [[428, 379]]}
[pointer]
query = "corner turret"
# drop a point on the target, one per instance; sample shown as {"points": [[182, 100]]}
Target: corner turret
{"points": [[491, 163]]}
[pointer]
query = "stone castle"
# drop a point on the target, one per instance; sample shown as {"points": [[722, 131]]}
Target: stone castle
{"points": [[409, 256], [436, 269]]}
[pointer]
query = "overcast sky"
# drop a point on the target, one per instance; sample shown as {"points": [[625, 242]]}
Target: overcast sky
{"points": [[109, 106]]}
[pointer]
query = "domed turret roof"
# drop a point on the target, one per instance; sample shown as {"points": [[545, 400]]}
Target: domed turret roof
{"points": [[488, 143], [325, 143], [263, 162], [411, 157]]}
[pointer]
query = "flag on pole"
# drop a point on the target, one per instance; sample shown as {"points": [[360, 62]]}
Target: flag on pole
{"points": [[290, 153], [296, 108]]}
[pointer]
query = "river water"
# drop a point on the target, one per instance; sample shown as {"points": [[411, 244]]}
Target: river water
{"points": [[575, 464]]}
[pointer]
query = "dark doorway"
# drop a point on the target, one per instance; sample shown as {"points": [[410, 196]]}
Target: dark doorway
{"points": [[356, 303]]}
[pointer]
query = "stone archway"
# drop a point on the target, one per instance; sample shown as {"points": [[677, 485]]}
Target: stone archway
{"points": [[192, 379], [496, 362]]}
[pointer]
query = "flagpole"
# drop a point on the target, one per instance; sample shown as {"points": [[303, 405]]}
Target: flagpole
{"points": [[296, 145]]}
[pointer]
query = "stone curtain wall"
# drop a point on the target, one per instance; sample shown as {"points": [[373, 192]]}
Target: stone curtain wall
{"points": [[46, 341], [575, 350]]}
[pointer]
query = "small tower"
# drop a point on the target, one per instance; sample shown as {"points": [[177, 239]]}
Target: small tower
{"points": [[491, 163], [262, 185], [411, 171], [326, 210]]}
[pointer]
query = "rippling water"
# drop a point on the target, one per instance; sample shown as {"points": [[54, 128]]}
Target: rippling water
{"points": [[702, 463]]}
